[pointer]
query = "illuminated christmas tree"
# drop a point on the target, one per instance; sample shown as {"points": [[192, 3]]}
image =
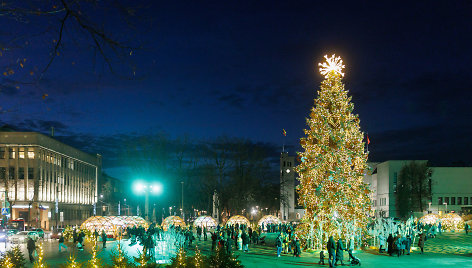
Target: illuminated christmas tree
{"points": [[333, 164]]}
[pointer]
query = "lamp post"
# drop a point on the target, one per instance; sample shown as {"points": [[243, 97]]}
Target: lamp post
{"points": [[154, 188], [182, 209]]}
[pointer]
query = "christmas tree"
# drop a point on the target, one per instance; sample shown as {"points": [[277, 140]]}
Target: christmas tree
{"points": [[333, 164]]}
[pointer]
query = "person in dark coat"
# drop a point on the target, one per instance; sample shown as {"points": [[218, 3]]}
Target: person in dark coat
{"points": [[421, 242], [229, 246], [408, 244], [31, 246], [104, 239], [390, 244], [339, 252], [322, 256], [297, 250], [331, 246], [213, 241], [278, 244], [246, 240]]}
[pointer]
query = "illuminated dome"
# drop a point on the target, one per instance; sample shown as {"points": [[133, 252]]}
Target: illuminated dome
{"points": [[429, 219], [172, 221], [205, 221], [452, 221], [268, 219], [111, 224], [238, 219]]}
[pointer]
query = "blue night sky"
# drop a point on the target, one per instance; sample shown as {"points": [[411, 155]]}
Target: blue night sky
{"points": [[249, 69]]}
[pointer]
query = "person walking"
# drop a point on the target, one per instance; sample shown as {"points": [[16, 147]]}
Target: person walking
{"points": [[421, 243], [213, 241], [31, 246], [390, 244], [278, 244], [104, 239], [466, 228], [245, 237], [331, 246], [297, 250], [229, 245], [408, 244], [339, 252], [61, 243], [350, 249], [382, 243]]}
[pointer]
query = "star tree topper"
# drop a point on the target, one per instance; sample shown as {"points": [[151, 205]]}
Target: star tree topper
{"points": [[332, 64]]}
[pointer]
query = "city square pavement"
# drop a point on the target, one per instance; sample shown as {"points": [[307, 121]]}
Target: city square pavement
{"points": [[446, 250]]}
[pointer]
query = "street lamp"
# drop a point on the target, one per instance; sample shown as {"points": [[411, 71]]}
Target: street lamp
{"points": [[153, 188]]}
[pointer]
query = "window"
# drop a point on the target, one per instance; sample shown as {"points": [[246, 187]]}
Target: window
{"points": [[459, 200], [466, 200], [440, 200], [446, 200], [21, 153], [11, 173], [11, 153], [21, 173], [3, 173], [395, 178], [2, 152], [30, 173], [453, 200], [31, 153]]}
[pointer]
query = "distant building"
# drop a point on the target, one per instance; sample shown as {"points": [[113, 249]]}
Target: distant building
{"points": [[449, 185], [47, 182]]}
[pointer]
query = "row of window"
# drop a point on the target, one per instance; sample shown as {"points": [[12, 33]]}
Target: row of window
{"points": [[22, 153], [452, 200], [11, 173]]}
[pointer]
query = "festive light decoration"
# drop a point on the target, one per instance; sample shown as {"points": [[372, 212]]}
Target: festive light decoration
{"points": [[181, 256], [205, 221], [429, 219], [72, 263], [334, 164], [172, 221], [112, 224], [7, 263], [452, 222], [198, 260], [268, 219], [332, 65], [238, 219], [39, 263], [94, 262]]}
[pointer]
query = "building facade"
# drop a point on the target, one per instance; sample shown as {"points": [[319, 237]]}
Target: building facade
{"points": [[46, 182], [451, 188]]}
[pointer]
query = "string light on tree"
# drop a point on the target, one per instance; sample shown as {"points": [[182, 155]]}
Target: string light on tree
{"points": [[333, 163]]}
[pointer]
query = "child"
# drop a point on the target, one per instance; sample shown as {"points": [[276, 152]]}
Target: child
{"points": [[322, 256]]}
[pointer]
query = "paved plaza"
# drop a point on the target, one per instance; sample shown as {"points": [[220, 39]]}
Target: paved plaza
{"points": [[446, 250]]}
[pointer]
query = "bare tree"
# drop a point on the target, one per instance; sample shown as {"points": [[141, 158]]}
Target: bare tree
{"points": [[48, 27]]}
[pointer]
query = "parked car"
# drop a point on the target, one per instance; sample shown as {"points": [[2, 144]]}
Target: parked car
{"points": [[57, 233], [21, 237], [40, 232]]}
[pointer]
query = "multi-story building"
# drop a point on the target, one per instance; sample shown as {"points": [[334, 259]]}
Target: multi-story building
{"points": [[451, 188], [46, 182]]}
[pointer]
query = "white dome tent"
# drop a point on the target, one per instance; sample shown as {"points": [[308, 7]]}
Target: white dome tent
{"points": [[205, 221]]}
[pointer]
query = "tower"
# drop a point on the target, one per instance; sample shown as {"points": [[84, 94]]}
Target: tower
{"points": [[287, 187]]}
